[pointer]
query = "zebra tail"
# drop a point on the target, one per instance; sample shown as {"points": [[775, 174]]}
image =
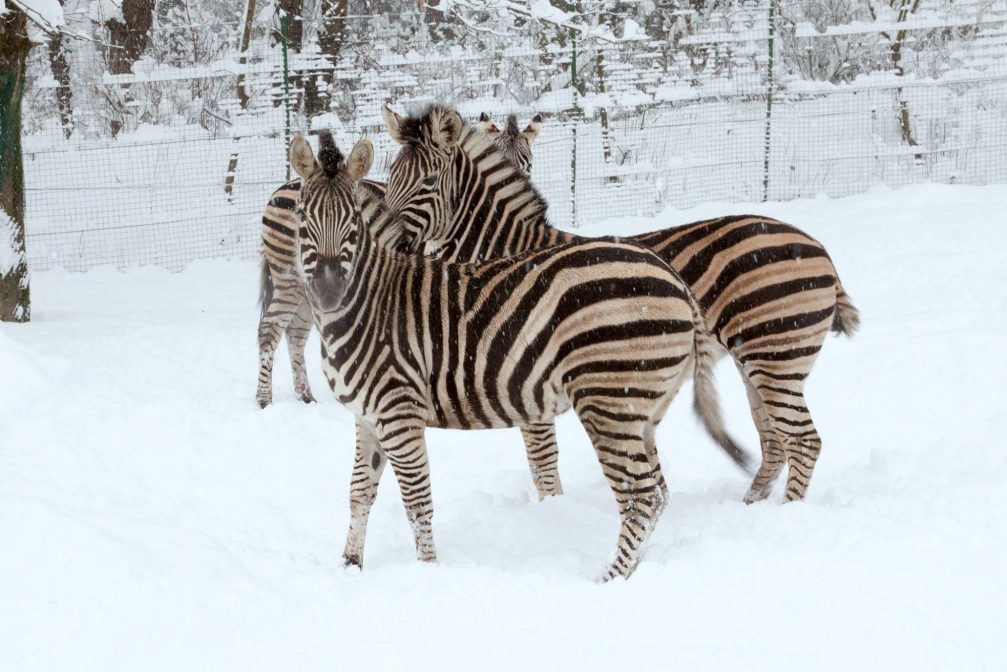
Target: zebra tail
{"points": [[266, 288], [706, 401], [846, 319]]}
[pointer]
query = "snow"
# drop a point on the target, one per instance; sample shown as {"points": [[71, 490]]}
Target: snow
{"points": [[47, 14], [9, 256], [105, 10], [153, 518]]}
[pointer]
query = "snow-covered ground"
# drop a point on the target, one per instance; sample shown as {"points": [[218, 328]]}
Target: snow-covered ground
{"points": [[152, 517]]}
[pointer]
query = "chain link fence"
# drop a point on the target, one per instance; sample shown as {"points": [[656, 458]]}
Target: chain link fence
{"points": [[176, 159]]}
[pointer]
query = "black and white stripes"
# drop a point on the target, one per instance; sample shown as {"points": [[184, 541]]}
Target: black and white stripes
{"points": [[602, 327], [769, 292]]}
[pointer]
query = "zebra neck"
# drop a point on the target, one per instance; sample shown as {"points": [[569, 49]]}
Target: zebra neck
{"points": [[493, 208]]}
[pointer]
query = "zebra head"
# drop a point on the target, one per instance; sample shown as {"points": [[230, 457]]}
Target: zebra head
{"points": [[414, 191], [515, 144], [329, 221]]}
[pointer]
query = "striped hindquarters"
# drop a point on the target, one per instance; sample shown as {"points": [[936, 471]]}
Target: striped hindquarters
{"points": [[764, 285]]}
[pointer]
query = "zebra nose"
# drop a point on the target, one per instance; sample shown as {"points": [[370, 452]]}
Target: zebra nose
{"points": [[327, 281]]}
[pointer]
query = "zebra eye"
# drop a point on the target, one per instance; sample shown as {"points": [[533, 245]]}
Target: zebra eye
{"points": [[430, 180]]}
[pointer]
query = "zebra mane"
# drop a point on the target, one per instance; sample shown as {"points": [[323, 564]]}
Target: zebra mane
{"points": [[329, 156], [482, 149], [420, 124], [512, 125]]}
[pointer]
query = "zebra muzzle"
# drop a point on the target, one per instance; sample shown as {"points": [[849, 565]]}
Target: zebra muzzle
{"points": [[328, 283]]}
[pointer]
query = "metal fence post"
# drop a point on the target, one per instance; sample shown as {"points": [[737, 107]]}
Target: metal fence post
{"points": [[769, 103], [575, 119], [286, 92]]}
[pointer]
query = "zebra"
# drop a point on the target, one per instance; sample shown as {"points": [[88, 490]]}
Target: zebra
{"points": [[769, 292], [515, 144], [283, 309], [602, 327], [281, 297]]}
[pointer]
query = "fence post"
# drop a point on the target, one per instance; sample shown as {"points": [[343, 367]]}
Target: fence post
{"points": [[769, 103], [286, 92], [575, 119]]}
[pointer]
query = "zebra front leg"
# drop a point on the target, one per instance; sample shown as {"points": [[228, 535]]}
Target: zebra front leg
{"points": [[400, 436], [543, 458], [278, 309], [297, 335], [367, 467]]}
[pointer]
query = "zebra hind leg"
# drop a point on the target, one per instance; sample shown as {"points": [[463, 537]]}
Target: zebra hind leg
{"points": [[278, 308], [798, 440], [367, 467], [773, 456], [401, 439], [633, 474], [543, 458], [297, 335]]}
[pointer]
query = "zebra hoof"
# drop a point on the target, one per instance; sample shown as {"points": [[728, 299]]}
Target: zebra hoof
{"points": [[614, 572], [263, 401], [353, 561], [307, 398], [755, 496]]}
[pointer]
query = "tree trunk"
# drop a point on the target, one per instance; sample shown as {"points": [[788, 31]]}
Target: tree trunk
{"points": [[15, 304], [606, 136], [905, 9], [330, 43], [127, 42], [128, 38], [294, 9], [246, 37], [243, 97], [61, 73]]}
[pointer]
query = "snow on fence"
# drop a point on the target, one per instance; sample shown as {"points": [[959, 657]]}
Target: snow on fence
{"points": [[188, 168]]}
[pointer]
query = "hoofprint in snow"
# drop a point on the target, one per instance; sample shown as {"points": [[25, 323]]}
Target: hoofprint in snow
{"points": [[154, 518]]}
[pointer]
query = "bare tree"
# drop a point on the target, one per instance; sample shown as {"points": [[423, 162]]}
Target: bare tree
{"points": [[127, 39], [903, 10], [331, 33], [61, 73], [293, 10], [15, 294], [243, 97]]}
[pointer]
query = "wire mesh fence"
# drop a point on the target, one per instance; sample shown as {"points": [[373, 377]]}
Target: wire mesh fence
{"points": [[175, 158]]}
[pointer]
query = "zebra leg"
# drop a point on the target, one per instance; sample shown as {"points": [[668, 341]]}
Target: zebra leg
{"points": [[276, 315], [367, 467], [639, 488], [783, 403], [543, 458], [650, 445], [297, 335], [802, 452], [772, 450], [400, 436]]}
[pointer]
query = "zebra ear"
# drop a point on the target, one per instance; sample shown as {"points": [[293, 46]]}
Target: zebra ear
{"points": [[449, 128], [486, 125], [531, 131], [394, 123], [360, 159], [301, 157]]}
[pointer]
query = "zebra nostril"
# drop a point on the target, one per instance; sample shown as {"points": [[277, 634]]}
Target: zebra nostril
{"points": [[327, 269]]}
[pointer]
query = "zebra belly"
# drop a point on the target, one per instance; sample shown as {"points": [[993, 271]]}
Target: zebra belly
{"points": [[469, 408]]}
